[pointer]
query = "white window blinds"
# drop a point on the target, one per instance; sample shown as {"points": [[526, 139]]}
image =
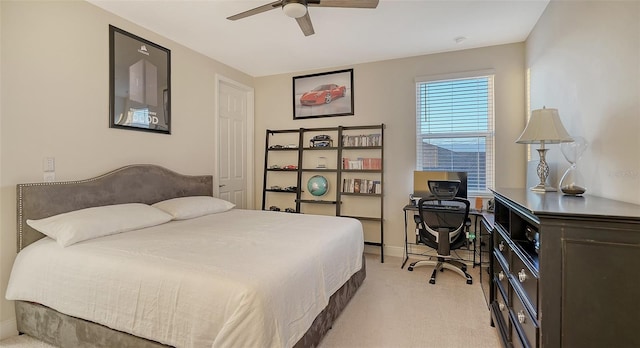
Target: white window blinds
{"points": [[455, 129]]}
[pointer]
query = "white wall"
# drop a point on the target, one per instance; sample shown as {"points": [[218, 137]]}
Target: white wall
{"points": [[55, 102], [584, 60], [384, 92]]}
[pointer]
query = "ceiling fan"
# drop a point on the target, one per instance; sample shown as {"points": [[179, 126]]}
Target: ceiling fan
{"points": [[298, 9]]}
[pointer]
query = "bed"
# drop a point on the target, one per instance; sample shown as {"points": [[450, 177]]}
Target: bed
{"points": [[231, 278]]}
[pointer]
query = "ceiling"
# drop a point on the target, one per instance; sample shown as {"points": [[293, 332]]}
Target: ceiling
{"points": [[271, 43]]}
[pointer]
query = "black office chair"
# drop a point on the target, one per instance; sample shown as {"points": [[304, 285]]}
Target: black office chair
{"points": [[442, 223]]}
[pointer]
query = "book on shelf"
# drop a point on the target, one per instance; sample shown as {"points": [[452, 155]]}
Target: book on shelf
{"points": [[362, 163], [361, 186], [362, 140], [356, 185]]}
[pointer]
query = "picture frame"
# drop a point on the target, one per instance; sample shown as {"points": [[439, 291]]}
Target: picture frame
{"points": [[325, 94], [139, 83]]}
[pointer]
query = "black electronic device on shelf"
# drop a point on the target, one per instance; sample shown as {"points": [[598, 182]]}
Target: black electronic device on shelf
{"points": [[321, 140]]}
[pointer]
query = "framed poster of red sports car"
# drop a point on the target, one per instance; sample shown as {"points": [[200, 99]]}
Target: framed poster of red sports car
{"points": [[323, 95]]}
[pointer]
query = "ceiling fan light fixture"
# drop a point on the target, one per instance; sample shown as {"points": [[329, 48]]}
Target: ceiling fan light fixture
{"points": [[294, 9]]}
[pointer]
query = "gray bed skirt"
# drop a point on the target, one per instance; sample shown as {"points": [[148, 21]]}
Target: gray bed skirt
{"points": [[64, 331]]}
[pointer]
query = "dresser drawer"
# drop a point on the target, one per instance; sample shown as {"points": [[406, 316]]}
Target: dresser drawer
{"points": [[502, 326], [500, 275], [517, 342], [522, 324], [527, 281], [503, 305], [501, 246]]}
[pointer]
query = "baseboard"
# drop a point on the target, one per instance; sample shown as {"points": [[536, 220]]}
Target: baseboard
{"points": [[398, 251], [394, 251], [388, 250], [464, 255], [8, 328]]}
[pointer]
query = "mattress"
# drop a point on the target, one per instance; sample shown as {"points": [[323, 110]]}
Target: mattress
{"points": [[239, 278]]}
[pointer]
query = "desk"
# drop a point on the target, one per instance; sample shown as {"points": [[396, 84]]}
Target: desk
{"points": [[414, 209]]}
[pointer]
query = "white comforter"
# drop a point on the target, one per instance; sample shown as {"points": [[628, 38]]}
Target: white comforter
{"points": [[242, 278]]}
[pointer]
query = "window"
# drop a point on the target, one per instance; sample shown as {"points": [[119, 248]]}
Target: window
{"points": [[455, 129]]}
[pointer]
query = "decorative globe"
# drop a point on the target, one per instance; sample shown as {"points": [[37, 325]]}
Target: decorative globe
{"points": [[318, 185]]}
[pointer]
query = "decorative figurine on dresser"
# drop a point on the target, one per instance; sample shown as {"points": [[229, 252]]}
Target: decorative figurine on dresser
{"points": [[572, 182]]}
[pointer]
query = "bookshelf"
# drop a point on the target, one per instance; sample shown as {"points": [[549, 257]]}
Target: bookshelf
{"points": [[350, 158]]}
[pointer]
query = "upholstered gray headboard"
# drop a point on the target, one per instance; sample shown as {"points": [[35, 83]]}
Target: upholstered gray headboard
{"points": [[142, 183]]}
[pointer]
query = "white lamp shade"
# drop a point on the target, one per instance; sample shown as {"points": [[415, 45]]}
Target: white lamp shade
{"points": [[544, 127], [294, 9]]}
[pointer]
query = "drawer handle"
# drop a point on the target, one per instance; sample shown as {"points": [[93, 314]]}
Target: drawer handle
{"points": [[501, 306], [521, 317], [501, 246], [501, 275], [522, 276]]}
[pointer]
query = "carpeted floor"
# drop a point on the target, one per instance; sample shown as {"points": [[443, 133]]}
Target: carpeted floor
{"points": [[400, 309], [23, 341]]}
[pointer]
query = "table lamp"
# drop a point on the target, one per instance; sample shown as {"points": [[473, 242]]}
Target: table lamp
{"points": [[544, 127]]}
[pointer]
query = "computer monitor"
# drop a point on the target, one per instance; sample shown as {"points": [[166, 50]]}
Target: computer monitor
{"points": [[421, 182]]}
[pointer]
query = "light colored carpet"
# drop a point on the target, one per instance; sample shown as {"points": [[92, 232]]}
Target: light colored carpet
{"points": [[23, 341], [400, 309]]}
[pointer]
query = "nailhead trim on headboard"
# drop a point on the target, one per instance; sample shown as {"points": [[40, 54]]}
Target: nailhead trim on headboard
{"points": [[20, 186]]}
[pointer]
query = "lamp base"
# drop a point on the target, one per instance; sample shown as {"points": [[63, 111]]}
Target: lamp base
{"points": [[543, 188], [543, 172]]}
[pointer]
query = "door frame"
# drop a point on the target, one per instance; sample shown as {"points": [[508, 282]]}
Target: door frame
{"points": [[249, 93]]}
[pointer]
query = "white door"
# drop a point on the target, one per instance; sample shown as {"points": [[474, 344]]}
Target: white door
{"points": [[235, 143]]}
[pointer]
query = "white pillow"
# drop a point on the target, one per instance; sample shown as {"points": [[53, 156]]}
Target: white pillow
{"points": [[191, 207], [79, 225]]}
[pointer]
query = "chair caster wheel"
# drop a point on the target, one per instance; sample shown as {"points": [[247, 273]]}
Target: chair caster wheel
{"points": [[432, 281], [469, 281], [410, 268]]}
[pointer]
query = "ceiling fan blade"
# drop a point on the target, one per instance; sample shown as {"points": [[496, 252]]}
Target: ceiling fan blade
{"points": [[305, 24], [344, 3], [259, 9]]}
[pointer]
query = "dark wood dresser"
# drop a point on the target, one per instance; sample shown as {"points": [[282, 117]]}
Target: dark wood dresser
{"points": [[565, 270]]}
